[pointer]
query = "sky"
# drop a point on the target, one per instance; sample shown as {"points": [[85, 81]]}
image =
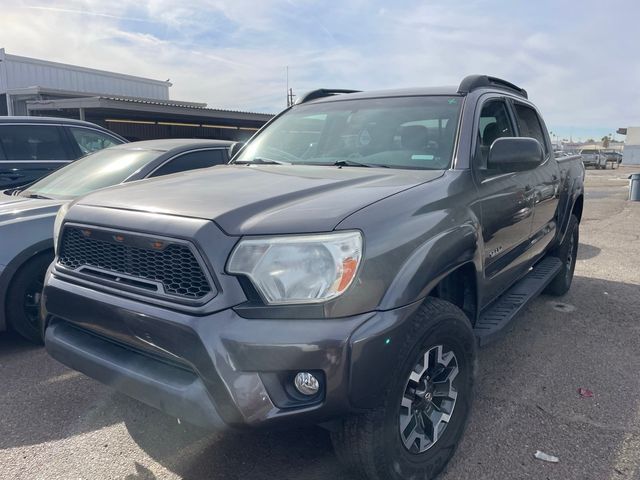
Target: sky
{"points": [[579, 61]]}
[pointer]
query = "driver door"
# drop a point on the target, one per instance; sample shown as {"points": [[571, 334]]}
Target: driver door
{"points": [[506, 204]]}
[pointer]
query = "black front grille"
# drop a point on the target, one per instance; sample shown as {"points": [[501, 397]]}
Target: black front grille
{"points": [[174, 266]]}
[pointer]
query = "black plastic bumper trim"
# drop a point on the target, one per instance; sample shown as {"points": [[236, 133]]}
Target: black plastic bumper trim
{"points": [[173, 390]]}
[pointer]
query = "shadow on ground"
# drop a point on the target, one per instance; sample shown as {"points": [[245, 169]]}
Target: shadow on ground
{"points": [[194, 454], [587, 252]]}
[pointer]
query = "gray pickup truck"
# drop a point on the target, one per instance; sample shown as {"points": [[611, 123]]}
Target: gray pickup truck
{"points": [[594, 157], [340, 271]]}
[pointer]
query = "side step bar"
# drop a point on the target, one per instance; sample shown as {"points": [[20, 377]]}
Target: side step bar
{"points": [[495, 318]]}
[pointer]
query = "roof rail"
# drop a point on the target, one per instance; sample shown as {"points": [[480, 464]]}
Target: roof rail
{"points": [[322, 92], [473, 82]]}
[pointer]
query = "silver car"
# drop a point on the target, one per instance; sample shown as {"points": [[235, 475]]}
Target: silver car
{"points": [[27, 216]]}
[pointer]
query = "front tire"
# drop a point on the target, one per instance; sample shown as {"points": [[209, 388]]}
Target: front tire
{"points": [[425, 407], [567, 252], [23, 307]]}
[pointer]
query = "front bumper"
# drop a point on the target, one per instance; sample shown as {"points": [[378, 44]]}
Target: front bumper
{"points": [[222, 370]]}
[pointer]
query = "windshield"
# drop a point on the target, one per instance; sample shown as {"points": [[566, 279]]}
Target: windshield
{"points": [[398, 132], [97, 170], [588, 152]]}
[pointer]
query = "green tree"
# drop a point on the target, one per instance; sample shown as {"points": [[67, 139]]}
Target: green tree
{"points": [[605, 142]]}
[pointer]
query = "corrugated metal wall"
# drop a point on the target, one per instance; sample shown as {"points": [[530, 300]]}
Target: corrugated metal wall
{"points": [[22, 72]]}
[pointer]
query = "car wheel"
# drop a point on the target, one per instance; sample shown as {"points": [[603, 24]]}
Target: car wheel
{"points": [[567, 252], [424, 409], [23, 307]]}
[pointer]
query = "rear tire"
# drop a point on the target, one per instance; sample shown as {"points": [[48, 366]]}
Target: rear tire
{"points": [[23, 307], [434, 381], [567, 252]]}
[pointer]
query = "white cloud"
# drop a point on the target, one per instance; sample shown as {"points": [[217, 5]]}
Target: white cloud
{"points": [[580, 70]]}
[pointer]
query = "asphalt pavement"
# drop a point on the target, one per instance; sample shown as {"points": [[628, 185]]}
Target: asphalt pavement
{"points": [[58, 424]]}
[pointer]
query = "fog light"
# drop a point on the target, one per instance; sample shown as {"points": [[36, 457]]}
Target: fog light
{"points": [[306, 383]]}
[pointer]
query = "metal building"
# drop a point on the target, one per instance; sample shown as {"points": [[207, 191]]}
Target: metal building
{"points": [[631, 152], [135, 107]]}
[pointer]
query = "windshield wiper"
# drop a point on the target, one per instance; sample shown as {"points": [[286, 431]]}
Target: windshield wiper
{"points": [[353, 163], [35, 195], [262, 161]]}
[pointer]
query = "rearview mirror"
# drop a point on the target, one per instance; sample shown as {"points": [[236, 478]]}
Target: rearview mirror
{"points": [[235, 148], [515, 154]]}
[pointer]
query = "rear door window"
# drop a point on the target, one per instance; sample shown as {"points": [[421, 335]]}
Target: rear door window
{"points": [[530, 125], [192, 161], [34, 142], [91, 140]]}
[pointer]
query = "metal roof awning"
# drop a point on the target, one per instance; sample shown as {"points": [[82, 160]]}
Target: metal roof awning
{"points": [[140, 106]]}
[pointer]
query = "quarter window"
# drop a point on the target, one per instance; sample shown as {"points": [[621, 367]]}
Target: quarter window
{"points": [[91, 140], [529, 124]]}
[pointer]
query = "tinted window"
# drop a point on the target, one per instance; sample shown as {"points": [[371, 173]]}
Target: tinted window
{"points": [[33, 142], [400, 132], [494, 123], [191, 161], [97, 170], [92, 140], [529, 124]]}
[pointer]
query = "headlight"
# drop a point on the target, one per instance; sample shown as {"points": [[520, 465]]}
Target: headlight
{"points": [[57, 225], [301, 268]]}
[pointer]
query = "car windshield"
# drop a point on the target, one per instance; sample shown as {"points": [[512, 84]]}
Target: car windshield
{"points": [[96, 170], [393, 132]]}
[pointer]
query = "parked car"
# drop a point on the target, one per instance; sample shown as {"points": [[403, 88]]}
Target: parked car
{"points": [[31, 147], [613, 156], [27, 216], [341, 272], [593, 157]]}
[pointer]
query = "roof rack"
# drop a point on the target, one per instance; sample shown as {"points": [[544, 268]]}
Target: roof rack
{"points": [[473, 82], [322, 92]]}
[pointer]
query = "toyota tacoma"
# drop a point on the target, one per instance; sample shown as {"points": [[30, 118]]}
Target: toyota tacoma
{"points": [[341, 271]]}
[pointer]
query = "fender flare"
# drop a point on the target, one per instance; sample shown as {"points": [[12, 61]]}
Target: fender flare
{"points": [[10, 270], [562, 232], [432, 261]]}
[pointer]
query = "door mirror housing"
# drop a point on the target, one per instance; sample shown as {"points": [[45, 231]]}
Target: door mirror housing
{"points": [[515, 154], [235, 148]]}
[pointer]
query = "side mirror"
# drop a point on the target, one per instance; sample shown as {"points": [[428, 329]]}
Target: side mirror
{"points": [[515, 154], [235, 148]]}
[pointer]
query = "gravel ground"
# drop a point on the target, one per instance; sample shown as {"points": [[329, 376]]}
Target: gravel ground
{"points": [[57, 424]]}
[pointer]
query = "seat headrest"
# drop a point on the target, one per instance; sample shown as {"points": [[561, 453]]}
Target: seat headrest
{"points": [[490, 133], [414, 137]]}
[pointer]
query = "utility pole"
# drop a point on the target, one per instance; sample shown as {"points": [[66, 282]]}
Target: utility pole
{"points": [[290, 95]]}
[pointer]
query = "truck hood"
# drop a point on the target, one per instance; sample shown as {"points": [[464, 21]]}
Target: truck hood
{"points": [[263, 199], [15, 209]]}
